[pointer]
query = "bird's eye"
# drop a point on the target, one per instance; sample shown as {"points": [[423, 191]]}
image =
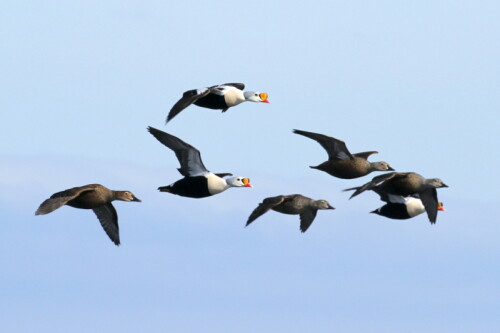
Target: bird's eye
{"points": [[256, 95]]}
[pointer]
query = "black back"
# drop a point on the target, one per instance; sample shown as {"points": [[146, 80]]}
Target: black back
{"points": [[192, 187], [212, 101]]}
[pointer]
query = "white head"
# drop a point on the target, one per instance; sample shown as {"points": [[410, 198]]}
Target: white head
{"points": [[253, 96], [238, 182]]}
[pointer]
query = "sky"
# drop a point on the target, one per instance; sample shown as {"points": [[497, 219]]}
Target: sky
{"points": [[418, 82]]}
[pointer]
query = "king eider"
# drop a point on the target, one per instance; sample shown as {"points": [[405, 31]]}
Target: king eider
{"points": [[341, 163], [198, 182], [95, 197], [294, 204], [406, 184], [398, 207], [220, 97]]}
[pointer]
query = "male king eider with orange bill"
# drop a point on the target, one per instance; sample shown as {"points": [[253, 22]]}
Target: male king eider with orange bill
{"points": [[220, 97], [198, 182]]}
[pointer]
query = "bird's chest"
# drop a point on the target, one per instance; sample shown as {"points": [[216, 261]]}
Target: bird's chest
{"points": [[215, 184], [415, 207], [233, 97]]}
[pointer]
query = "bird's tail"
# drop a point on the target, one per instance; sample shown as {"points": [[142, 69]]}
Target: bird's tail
{"points": [[351, 189], [164, 188], [356, 189]]}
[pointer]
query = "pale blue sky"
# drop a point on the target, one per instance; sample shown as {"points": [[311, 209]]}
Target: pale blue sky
{"points": [[80, 82]]}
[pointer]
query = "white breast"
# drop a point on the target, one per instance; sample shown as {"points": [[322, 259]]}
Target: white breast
{"points": [[216, 184], [414, 206], [233, 96]]}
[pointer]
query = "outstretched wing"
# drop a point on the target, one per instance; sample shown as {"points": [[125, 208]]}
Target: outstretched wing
{"points": [[189, 157], [307, 218], [336, 149], [59, 199], [239, 86], [188, 98], [265, 206], [430, 202], [373, 183], [221, 175], [109, 221], [366, 154]]}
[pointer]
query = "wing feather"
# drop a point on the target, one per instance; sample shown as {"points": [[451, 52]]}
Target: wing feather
{"points": [[264, 207], [336, 149], [188, 98], [306, 219], [59, 199], [189, 157], [430, 202], [109, 221]]}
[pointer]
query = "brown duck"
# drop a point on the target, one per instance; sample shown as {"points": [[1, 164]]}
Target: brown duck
{"points": [[294, 204], [341, 163], [406, 184], [95, 197]]}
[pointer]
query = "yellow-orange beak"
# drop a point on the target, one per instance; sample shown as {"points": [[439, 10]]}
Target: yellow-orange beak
{"points": [[441, 207], [263, 97], [246, 182]]}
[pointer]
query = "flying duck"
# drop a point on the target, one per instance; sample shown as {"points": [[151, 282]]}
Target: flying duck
{"points": [[220, 97], [198, 182], [406, 184], [95, 197], [294, 204], [402, 208], [341, 163]]}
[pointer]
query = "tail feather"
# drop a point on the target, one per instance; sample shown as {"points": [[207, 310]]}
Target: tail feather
{"points": [[164, 188], [357, 190]]}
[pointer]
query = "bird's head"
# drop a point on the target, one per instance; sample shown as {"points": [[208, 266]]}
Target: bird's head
{"points": [[253, 96]]}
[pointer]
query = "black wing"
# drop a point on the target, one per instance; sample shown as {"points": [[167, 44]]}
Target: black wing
{"points": [[306, 219], [109, 221], [265, 206], [336, 149], [240, 86], [189, 157], [188, 98], [59, 199], [221, 175], [366, 154], [373, 183], [430, 202]]}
